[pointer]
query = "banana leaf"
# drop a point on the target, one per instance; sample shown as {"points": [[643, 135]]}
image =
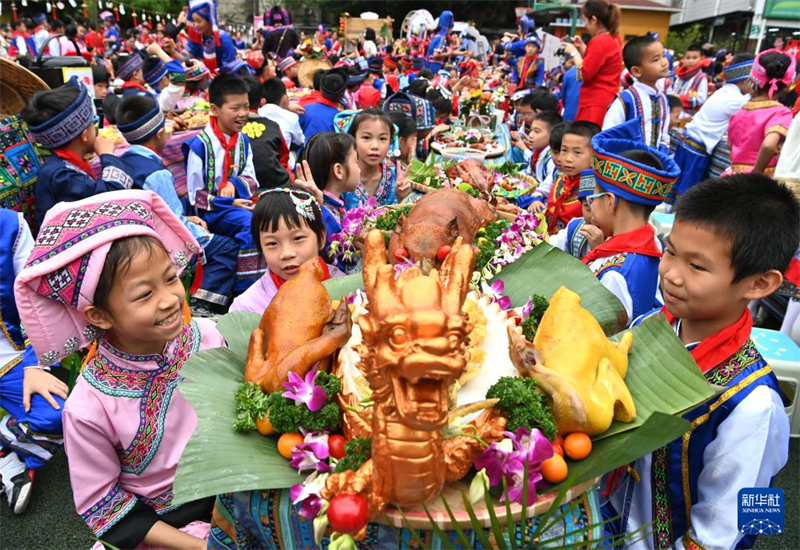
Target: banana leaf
{"points": [[344, 286], [545, 268], [217, 459]]}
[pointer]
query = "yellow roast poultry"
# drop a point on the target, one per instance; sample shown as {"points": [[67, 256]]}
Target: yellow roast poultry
{"points": [[575, 364]]}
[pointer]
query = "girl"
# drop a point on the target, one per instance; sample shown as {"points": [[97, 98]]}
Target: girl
{"points": [[206, 42], [105, 271], [407, 140], [374, 133], [287, 223], [758, 129]]}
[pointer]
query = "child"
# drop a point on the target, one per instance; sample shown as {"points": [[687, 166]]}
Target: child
{"points": [[266, 141], [541, 163], [374, 134], [675, 110], [220, 177], [644, 58], [129, 69], [580, 235], [708, 126], [332, 161], [141, 122], [691, 82], [319, 115], [406, 134], [631, 179], [166, 76], [731, 239], [276, 108], [31, 433], [62, 120], [368, 95], [529, 71], [105, 272], [537, 201], [287, 223], [575, 157], [288, 70], [758, 129]]}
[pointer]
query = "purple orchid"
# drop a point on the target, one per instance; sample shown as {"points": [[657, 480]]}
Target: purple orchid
{"points": [[495, 292], [312, 453], [527, 308], [305, 391], [508, 459], [307, 494]]}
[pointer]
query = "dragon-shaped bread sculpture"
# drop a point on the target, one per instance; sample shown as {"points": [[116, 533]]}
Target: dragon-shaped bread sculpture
{"points": [[301, 329], [414, 348], [575, 364]]}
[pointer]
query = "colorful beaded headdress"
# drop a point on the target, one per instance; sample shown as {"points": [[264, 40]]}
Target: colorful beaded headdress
{"points": [[303, 205]]}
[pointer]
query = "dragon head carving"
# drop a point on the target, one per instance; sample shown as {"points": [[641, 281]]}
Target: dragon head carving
{"points": [[414, 334]]}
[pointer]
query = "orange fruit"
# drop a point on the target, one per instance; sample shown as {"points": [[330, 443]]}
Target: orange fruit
{"points": [[287, 442], [264, 426], [554, 470], [577, 445]]}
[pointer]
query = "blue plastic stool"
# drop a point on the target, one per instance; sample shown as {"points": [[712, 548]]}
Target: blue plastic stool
{"points": [[662, 222], [783, 355]]}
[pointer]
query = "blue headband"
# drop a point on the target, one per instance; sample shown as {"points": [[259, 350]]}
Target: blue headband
{"points": [[67, 125], [738, 72], [156, 74], [143, 129], [626, 178], [586, 186], [39, 18], [131, 65]]}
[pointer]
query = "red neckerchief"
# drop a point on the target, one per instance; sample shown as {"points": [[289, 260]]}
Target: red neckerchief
{"points": [[328, 102], [227, 146], [313, 97], [326, 274], [554, 211], [535, 159], [129, 84], [74, 158], [527, 62], [637, 241], [685, 74], [197, 38], [714, 349]]}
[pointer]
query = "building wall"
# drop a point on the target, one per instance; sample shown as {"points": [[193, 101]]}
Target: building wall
{"points": [[695, 10], [639, 22]]}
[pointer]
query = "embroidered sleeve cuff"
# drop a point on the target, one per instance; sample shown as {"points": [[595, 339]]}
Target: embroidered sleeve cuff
{"points": [[202, 200], [777, 129], [114, 171], [133, 528], [109, 510]]}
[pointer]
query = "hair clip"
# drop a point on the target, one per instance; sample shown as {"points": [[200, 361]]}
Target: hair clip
{"points": [[304, 207]]}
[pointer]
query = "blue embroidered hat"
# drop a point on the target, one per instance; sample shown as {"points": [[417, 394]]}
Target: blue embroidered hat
{"points": [[235, 66], [420, 109], [67, 125], [626, 178], [739, 71], [39, 18], [586, 186], [143, 129], [130, 66]]}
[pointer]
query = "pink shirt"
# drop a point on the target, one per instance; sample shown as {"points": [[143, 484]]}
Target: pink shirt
{"points": [[260, 294], [126, 425], [748, 128]]}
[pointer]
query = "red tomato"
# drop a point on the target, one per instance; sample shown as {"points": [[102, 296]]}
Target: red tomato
{"points": [[557, 449], [347, 514], [400, 254], [442, 253], [336, 446]]}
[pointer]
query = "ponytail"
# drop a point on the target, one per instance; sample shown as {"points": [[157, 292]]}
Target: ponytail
{"points": [[607, 13]]}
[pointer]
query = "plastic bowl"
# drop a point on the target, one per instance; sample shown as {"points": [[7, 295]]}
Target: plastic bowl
{"points": [[459, 153]]}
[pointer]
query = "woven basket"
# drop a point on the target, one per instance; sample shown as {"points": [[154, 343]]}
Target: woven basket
{"points": [[17, 87], [506, 216], [306, 69]]}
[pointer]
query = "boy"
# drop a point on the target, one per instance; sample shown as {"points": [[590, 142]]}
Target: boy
{"points": [[710, 124], [580, 235], [631, 179], [529, 71], [31, 433], [645, 60], [691, 83], [731, 240], [288, 70], [141, 122], [129, 69], [62, 120], [319, 115], [276, 108], [541, 163], [220, 177], [575, 157], [166, 76], [266, 141], [368, 95], [675, 110]]}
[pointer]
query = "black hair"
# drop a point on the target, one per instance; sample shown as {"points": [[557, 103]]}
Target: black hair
{"points": [[540, 100], [426, 73], [71, 31], [406, 125], [118, 261], [440, 103], [273, 207], [370, 114], [608, 14], [369, 34], [742, 57], [324, 150], [557, 135], [224, 85], [694, 48], [255, 91], [582, 128], [419, 87], [757, 216], [150, 63], [708, 50], [56, 24], [549, 118], [674, 102], [45, 105], [273, 90], [317, 79], [775, 65], [100, 74], [634, 50], [134, 107]]}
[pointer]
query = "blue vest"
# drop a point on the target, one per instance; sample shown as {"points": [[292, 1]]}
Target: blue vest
{"points": [[577, 245], [641, 275], [633, 109], [9, 317], [201, 146], [141, 167]]}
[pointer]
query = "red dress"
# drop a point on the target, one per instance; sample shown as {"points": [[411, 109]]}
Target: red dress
{"points": [[601, 70]]}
